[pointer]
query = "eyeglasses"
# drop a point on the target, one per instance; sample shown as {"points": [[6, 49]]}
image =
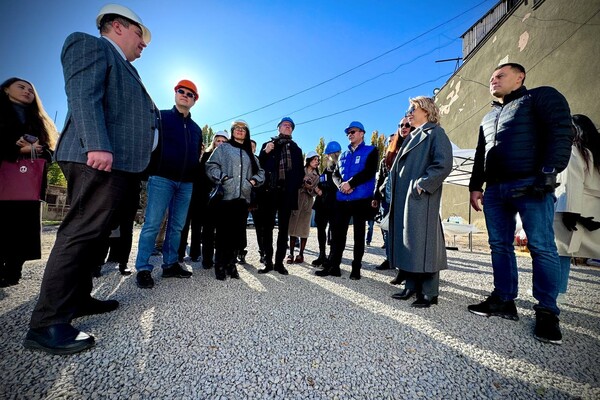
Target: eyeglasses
{"points": [[406, 125], [352, 132], [410, 110], [188, 94], [239, 128]]}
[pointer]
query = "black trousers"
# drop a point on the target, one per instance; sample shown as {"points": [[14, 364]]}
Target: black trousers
{"points": [[323, 217], [271, 205], [209, 223], [194, 221], [95, 197], [359, 211], [231, 230], [120, 247]]}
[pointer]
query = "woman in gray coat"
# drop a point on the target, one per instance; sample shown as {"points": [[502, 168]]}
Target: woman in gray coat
{"points": [[417, 241], [237, 168]]}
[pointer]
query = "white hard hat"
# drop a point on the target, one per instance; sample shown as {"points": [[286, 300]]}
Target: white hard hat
{"points": [[127, 13], [222, 133], [311, 154]]}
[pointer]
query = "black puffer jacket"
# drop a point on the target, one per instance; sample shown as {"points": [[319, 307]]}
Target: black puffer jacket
{"points": [[530, 131]]}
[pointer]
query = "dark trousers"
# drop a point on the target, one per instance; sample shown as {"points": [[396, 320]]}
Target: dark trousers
{"points": [[193, 221], [322, 218], [231, 230], [208, 235], [274, 204], [95, 197], [358, 210], [120, 246], [426, 283], [256, 217]]}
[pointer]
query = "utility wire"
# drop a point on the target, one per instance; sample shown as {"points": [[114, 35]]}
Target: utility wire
{"points": [[361, 105], [353, 68], [357, 85]]}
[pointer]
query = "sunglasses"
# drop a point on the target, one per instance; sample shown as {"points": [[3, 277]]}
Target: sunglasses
{"points": [[410, 110], [188, 94], [406, 125]]}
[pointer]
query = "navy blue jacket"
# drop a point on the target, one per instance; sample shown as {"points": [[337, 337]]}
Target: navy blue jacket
{"points": [[531, 130], [178, 152]]}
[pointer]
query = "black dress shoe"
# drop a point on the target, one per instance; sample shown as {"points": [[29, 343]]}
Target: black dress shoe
{"points": [[384, 266], [404, 295], [268, 268], [58, 339], [281, 269], [124, 269], [400, 277], [424, 301], [95, 306]]}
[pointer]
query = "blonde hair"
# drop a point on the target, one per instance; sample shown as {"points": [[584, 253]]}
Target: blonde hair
{"points": [[427, 104]]}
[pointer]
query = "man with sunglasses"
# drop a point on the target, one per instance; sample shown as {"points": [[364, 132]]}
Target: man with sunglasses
{"points": [[172, 169], [357, 168]]}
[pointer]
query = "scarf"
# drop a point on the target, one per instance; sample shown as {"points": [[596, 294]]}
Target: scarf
{"points": [[285, 157]]}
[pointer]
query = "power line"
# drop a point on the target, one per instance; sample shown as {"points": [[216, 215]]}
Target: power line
{"points": [[353, 68], [357, 85], [361, 105]]}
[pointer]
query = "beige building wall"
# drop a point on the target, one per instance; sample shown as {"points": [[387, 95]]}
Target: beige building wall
{"points": [[557, 43]]}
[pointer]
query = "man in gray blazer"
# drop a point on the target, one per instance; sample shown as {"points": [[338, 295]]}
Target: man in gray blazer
{"points": [[105, 145]]}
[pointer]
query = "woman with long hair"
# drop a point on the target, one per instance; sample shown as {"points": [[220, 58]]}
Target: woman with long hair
{"points": [[577, 216], [25, 127], [234, 165], [300, 219]]}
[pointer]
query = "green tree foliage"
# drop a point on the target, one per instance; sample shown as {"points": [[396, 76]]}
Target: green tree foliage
{"points": [[207, 135], [378, 141], [55, 176], [321, 152]]}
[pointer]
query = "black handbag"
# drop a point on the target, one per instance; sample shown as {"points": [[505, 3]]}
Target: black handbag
{"points": [[216, 194]]}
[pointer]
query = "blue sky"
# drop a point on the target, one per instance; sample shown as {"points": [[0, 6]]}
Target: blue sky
{"points": [[244, 55]]}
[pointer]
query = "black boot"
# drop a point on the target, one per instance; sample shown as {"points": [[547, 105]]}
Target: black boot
{"points": [[242, 256], [320, 260], [400, 277], [329, 270], [355, 274], [232, 271], [220, 273], [268, 267]]}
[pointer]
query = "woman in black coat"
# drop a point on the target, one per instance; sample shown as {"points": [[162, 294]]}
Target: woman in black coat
{"points": [[24, 126]]}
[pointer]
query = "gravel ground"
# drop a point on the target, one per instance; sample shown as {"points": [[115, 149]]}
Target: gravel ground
{"points": [[300, 336]]}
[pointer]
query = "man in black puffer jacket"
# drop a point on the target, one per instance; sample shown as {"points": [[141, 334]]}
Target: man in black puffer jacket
{"points": [[523, 143]]}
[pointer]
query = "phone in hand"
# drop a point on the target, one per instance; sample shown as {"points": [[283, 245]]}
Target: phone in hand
{"points": [[30, 138]]}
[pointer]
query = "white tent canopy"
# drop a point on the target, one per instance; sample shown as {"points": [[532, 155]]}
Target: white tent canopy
{"points": [[462, 166]]}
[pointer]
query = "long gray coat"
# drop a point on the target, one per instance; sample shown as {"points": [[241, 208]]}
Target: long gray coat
{"points": [[416, 236]]}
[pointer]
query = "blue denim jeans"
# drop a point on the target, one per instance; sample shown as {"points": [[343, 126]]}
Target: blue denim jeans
{"points": [[163, 193], [565, 268], [502, 202]]}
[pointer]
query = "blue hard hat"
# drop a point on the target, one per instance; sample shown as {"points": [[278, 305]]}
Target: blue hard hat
{"points": [[355, 124], [287, 119], [332, 147]]}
